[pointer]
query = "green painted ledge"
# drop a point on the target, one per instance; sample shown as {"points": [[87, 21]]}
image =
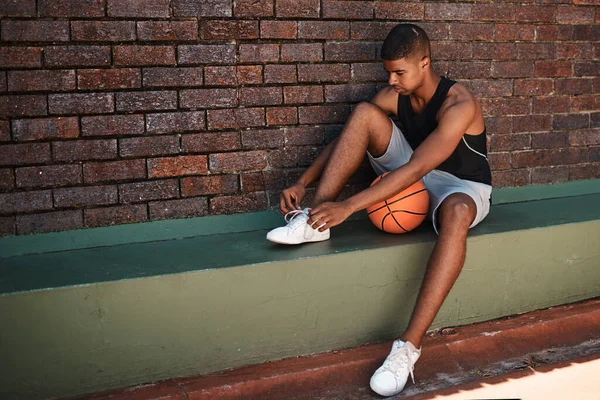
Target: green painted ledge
{"points": [[223, 224]]}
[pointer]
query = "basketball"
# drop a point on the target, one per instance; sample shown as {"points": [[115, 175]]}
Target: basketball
{"points": [[402, 212]]}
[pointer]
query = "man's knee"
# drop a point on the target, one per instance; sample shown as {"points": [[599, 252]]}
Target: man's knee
{"points": [[457, 212], [376, 124]]}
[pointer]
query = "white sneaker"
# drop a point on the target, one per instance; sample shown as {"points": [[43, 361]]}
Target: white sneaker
{"points": [[390, 378], [297, 230]]}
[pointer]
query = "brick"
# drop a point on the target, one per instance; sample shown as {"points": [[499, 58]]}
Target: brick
{"points": [[512, 69], [145, 191], [85, 196], [147, 101], [103, 31], [45, 128], [370, 30], [336, 30], [546, 140], [144, 55], [571, 121], [23, 105], [329, 114], [262, 138], [511, 178], [113, 125], [138, 8], [282, 116], [595, 120], [349, 51], [202, 8], [203, 185], [7, 224], [283, 158], [584, 32], [553, 33], [236, 204], [573, 86], [106, 171], [535, 51], [436, 30], [499, 125], [453, 51], [116, 215], [177, 166], [490, 88], [347, 9], [236, 162], [48, 176], [547, 157], [228, 30], [585, 103], [20, 202], [304, 52], [533, 87], [236, 118], [71, 8], [249, 74], [509, 106], [546, 175], [81, 103], [260, 53], [22, 154], [77, 56], [493, 12], [3, 81], [584, 171], [252, 182], [84, 150], [173, 77], [255, 96], [167, 30], [303, 135], [175, 122], [509, 32], [575, 15], [278, 29], [499, 162], [220, 76], [44, 80], [4, 131], [402, 11], [207, 53], [527, 13], [7, 179], [35, 31], [473, 70], [211, 142], [208, 98], [18, 8], [574, 50], [471, 31], [303, 94], [587, 68], [551, 105], [553, 69], [594, 154], [306, 155], [119, 78], [532, 123], [457, 11], [509, 142], [20, 57], [253, 8], [349, 92], [584, 137], [54, 221], [323, 73], [298, 8], [494, 51], [280, 74], [179, 208], [148, 146], [368, 72]]}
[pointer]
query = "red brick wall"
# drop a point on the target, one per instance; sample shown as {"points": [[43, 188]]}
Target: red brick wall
{"points": [[120, 111]]}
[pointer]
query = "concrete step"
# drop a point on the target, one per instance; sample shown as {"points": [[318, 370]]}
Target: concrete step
{"points": [[451, 358]]}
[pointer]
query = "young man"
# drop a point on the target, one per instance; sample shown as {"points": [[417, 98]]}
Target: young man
{"points": [[441, 139]]}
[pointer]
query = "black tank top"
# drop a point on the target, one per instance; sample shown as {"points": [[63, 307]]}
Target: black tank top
{"points": [[469, 159]]}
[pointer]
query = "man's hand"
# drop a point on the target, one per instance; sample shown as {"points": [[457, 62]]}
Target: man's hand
{"points": [[290, 198], [328, 215]]}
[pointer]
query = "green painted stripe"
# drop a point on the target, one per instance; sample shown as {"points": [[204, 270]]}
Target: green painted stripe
{"points": [[540, 192]]}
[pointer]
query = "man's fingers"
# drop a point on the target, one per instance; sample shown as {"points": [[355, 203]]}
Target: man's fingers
{"points": [[282, 208]]}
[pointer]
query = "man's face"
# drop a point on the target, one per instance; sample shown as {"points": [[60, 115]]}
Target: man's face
{"points": [[405, 75]]}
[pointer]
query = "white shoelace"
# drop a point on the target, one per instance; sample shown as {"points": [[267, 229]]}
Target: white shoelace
{"points": [[291, 218], [395, 362]]}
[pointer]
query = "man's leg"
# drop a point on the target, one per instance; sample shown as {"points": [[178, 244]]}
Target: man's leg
{"points": [[367, 128], [456, 213]]}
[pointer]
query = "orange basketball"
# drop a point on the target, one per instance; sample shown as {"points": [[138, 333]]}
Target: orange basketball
{"points": [[402, 212]]}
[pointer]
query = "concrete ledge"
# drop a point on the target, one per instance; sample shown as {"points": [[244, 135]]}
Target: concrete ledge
{"points": [[91, 319]]}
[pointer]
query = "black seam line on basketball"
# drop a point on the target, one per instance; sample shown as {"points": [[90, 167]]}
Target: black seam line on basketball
{"points": [[390, 212], [409, 212], [369, 213]]}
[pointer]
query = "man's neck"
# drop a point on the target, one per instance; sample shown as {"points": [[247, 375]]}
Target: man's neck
{"points": [[425, 92]]}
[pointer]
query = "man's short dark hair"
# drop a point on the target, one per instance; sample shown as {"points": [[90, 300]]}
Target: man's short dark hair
{"points": [[403, 41]]}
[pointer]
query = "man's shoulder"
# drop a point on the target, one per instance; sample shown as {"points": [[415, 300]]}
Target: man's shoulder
{"points": [[459, 94]]}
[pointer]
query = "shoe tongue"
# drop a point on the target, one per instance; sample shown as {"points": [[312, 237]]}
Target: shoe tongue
{"points": [[398, 344]]}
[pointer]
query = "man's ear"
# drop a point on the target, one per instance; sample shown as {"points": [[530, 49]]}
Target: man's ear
{"points": [[425, 62]]}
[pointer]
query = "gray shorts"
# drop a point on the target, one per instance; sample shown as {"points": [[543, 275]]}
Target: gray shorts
{"points": [[439, 184]]}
